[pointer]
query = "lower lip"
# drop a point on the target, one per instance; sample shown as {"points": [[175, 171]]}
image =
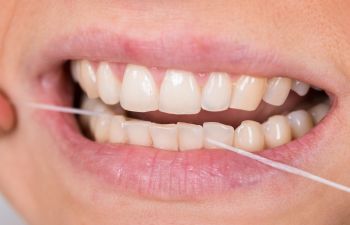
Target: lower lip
{"points": [[160, 174]]}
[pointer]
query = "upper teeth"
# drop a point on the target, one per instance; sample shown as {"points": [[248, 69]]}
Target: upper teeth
{"points": [[179, 92]]}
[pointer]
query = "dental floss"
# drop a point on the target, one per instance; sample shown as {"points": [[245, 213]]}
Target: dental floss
{"points": [[63, 109], [281, 166], [263, 160]]}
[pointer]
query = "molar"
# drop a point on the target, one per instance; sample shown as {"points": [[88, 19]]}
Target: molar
{"points": [[300, 87], [318, 112]]}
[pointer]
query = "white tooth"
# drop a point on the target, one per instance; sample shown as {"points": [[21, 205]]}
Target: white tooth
{"points": [[138, 132], [89, 105], [88, 79], [216, 93], [318, 112], [179, 93], [190, 136], [108, 84], [117, 133], [101, 128], [75, 70], [300, 122], [247, 93], [300, 87], [277, 90], [164, 136], [218, 132], [139, 92], [249, 136], [277, 131]]}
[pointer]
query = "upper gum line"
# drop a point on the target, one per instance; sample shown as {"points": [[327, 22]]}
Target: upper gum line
{"points": [[143, 89]]}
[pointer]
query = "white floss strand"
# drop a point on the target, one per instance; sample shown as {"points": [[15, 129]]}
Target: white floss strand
{"points": [[63, 109], [263, 160], [281, 166]]}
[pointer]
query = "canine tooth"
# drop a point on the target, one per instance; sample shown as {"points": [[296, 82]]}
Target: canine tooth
{"points": [[218, 132], [247, 93], [190, 136], [318, 112], [179, 93], [300, 122], [90, 105], [108, 84], [216, 93], [117, 133], [138, 132], [300, 87], [277, 90], [277, 131], [75, 69], [101, 128], [249, 136], [139, 92], [164, 136], [88, 79]]}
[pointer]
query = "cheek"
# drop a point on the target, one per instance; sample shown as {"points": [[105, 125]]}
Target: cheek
{"points": [[7, 115]]}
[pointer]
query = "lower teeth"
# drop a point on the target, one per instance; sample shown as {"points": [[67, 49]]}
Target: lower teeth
{"points": [[114, 127]]}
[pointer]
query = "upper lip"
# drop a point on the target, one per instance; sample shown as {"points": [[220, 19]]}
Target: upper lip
{"points": [[193, 54]]}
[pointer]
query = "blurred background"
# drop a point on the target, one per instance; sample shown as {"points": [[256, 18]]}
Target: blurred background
{"points": [[7, 215]]}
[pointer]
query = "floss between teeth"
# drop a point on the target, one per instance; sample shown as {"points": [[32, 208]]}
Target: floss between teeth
{"points": [[258, 158]]}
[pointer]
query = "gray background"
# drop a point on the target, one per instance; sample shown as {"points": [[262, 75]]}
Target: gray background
{"points": [[7, 215]]}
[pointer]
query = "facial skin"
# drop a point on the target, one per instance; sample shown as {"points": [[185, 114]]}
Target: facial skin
{"points": [[46, 189]]}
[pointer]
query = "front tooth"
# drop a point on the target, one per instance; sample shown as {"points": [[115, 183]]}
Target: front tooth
{"points": [[216, 93], [318, 112], [277, 131], [249, 136], [179, 93], [217, 132], [138, 132], [247, 93], [139, 92], [190, 136], [277, 90], [300, 122], [117, 133], [164, 136], [101, 128], [88, 79], [300, 87], [108, 84]]}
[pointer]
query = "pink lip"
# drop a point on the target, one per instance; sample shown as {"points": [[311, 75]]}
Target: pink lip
{"points": [[160, 174]]}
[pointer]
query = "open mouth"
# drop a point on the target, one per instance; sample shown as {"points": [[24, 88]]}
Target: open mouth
{"points": [[158, 114], [178, 110]]}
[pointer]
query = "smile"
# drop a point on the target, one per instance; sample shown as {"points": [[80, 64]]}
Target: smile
{"points": [[158, 114]]}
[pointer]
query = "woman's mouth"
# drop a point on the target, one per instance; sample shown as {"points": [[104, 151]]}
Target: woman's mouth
{"points": [[178, 110], [151, 139]]}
